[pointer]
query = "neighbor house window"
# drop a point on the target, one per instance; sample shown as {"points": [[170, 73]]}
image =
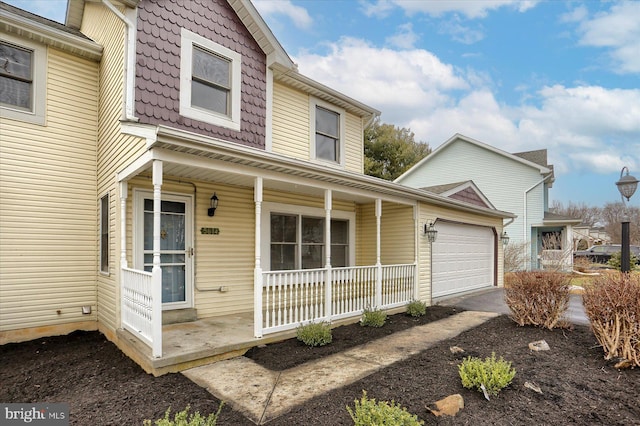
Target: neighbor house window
{"points": [[327, 134], [298, 242], [22, 80], [104, 234], [210, 77]]}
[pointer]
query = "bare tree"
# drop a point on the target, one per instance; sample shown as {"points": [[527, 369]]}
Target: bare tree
{"points": [[589, 215], [612, 214]]}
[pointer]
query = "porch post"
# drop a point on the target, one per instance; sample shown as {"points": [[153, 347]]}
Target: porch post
{"points": [[378, 264], [123, 224], [416, 273], [156, 291], [123, 244], [257, 270], [327, 238]]}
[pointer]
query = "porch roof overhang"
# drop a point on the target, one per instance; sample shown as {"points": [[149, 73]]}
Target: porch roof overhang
{"points": [[552, 219], [198, 157]]}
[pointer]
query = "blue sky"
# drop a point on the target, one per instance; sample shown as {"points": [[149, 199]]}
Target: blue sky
{"points": [[518, 75]]}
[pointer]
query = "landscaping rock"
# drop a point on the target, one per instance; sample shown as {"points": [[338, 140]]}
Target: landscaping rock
{"points": [[533, 387], [539, 345], [456, 350], [449, 406]]}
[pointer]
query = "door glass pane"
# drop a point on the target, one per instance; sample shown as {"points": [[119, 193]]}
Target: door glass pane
{"points": [[172, 247]]}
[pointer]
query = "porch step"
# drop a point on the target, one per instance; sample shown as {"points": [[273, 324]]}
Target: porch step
{"points": [[179, 315]]}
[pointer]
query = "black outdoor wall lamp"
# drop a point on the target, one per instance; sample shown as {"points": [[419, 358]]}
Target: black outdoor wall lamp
{"points": [[505, 238], [213, 205], [430, 231]]}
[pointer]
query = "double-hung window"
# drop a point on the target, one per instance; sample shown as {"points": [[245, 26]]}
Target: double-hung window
{"points": [[22, 79], [298, 242], [104, 234], [327, 132], [210, 77]]}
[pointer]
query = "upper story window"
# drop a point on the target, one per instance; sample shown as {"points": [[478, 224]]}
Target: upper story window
{"points": [[327, 132], [22, 80], [210, 77]]}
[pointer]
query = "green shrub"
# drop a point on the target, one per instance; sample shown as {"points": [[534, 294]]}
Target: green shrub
{"points": [[538, 298], [182, 418], [373, 318], [417, 308], [315, 334], [616, 261], [494, 374], [368, 412]]}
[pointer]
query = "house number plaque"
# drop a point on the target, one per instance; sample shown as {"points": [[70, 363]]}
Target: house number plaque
{"points": [[209, 231]]}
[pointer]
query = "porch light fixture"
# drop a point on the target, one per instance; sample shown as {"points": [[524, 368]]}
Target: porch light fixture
{"points": [[504, 238], [627, 185], [430, 231], [213, 205]]}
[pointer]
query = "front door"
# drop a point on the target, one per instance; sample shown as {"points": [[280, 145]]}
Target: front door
{"points": [[175, 246]]}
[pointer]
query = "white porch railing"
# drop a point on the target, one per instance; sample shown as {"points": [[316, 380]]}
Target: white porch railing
{"points": [[137, 303], [291, 298]]}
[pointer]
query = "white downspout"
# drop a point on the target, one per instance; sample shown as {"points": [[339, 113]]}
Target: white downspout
{"points": [[524, 225], [129, 63]]}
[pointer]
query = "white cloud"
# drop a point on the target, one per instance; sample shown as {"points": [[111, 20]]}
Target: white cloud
{"points": [[576, 15], [392, 81], [461, 33], [618, 29], [298, 15], [404, 38], [585, 128]]}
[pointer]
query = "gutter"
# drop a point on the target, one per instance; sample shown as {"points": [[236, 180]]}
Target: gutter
{"points": [[129, 62]]}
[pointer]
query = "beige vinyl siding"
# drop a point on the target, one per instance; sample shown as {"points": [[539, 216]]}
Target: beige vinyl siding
{"points": [[396, 234], [290, 122], [48, 244], [428, 213], [115, 151], [291, 129], [354, 144]]}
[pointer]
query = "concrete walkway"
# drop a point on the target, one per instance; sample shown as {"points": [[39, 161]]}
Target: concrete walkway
{"points": [[262, 395]]}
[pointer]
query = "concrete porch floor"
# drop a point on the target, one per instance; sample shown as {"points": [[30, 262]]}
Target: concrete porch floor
{"points": [[191, 344]]}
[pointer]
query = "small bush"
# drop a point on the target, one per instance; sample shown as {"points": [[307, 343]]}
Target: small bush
{"points": [[182, 418], [368, 412], [417, 308], [494, 374], [612, 304], [616, 261], [538, 298], [315, 334], [373, 318]]}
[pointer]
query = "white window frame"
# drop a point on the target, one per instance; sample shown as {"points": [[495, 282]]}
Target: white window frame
{"points": [[188, 40], [105, 225], [313, 104], [39, 86], [269, 208]]}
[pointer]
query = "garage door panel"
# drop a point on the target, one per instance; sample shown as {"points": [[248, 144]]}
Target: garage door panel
{"points": [[463, 259]]}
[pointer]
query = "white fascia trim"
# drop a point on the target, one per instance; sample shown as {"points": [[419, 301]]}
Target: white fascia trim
{"points": [[133, 169], [37, 31]]}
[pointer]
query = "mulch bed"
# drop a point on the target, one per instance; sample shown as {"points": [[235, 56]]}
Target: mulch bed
{"points": [[104, 387]]}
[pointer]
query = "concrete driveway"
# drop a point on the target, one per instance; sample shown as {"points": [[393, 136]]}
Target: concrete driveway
{"points": [[492, 300]]}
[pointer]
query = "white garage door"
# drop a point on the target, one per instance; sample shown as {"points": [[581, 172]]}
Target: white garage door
{"points": [[463, 258]]}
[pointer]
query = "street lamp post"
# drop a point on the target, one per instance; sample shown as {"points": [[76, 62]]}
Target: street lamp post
{"points": [[627, 186]]}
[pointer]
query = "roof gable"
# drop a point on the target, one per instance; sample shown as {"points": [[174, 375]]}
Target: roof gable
{"points": [[467, 192], [458, 138]]}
